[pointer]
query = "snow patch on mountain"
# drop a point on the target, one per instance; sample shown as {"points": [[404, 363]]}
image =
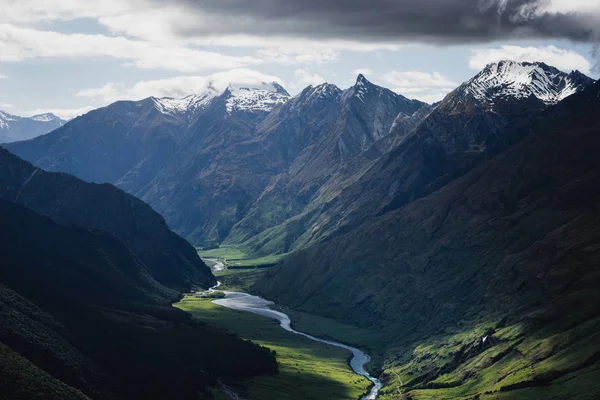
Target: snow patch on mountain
{"points": [[179, 107], [519, 80], [325, 91], [260, 97], [5, 120], [47, 117], [14, 128], [361, 87], [254, 99]]}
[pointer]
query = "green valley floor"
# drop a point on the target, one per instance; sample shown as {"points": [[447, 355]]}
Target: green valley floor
{"points": [[535, 358], [307, 370]]}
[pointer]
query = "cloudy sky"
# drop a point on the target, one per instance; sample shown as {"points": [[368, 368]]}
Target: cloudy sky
{"points": [[69, 56]]}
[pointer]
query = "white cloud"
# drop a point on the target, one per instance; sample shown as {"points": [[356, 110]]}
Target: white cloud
{"points": [[566, 60], [64, 113], [306, 78], [29, 11], [565, 6], [6, 105], [429, 87], [17, 43], [177, 86], [2, 76], [431, 97], [364, 71], [417, 79], [291, 56], [108, 92], [164, 23]]}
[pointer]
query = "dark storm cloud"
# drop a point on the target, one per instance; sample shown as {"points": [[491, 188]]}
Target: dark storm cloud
{"points": [[437, 21]]}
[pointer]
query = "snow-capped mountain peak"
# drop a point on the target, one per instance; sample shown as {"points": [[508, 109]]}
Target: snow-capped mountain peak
{"points": [[5, 120], [261, 97], [238, 97], [324, 91], [14, 128], [518, 80], [362, 86], [47, 117], [186, 105]]}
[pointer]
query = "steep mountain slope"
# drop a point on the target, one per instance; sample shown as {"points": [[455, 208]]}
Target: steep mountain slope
{"points": [[154, 148], [510, 79], [461, 132], [326, 138], [69, 200], [105, 144], [487, 288], [202, 188], [236, 171], [14, 128], [212, 161], [250, 168], [135, 137], [80, 314]]}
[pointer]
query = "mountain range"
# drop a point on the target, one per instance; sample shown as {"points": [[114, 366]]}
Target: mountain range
{"points": [[173, 153], [462, 235], [252, 167], [504, 253], [14, 128]]}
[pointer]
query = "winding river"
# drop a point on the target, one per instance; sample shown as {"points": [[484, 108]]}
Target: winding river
{"points": [[260, 306]]}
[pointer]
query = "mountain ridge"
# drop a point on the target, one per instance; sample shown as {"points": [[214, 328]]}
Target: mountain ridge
{"points": [[68, 200], [505, 255], [15, 128], [521, 80], [281, 178]]}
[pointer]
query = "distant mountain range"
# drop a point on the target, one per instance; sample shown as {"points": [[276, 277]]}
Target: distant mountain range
{"points": [[464, 234], [253, 167], [14, 128]]}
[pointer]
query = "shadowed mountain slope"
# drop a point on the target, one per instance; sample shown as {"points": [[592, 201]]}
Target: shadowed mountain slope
{"points": [[80, 314], [508, 251], [69, 200]]}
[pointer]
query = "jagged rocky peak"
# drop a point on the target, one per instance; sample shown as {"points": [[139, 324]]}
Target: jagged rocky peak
{"points": [[260, 97], [263, 96], [518, 80], [314, 98], [327, 90], [362, 81], [368, 92], [182, 106], [362, 86], [321, 92]]}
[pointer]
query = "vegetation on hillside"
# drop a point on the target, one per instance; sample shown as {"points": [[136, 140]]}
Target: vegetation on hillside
{"points": [[80, 313], [70, 201], [507, 255], [307, 369]]}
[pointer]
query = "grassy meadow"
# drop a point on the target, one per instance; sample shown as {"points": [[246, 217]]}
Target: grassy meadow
{"points": [[241, 270], [307, 369], [235, 257]]}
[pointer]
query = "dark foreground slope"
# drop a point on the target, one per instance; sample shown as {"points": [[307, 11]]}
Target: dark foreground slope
{"points": [[509, 253], [80, 316], [68, 200]]}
